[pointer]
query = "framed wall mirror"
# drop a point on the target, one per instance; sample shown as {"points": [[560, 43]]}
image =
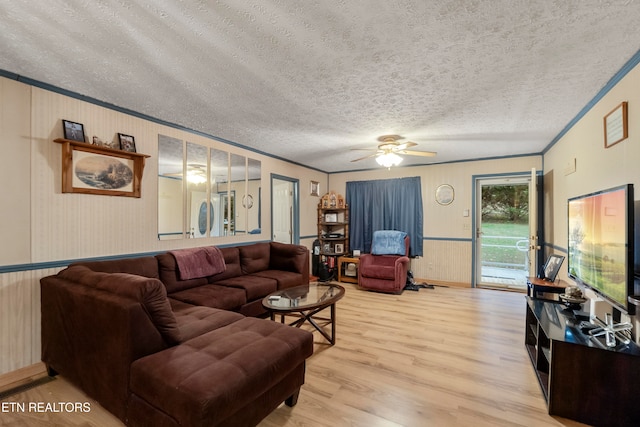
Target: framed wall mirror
{"points": [[206, 192], [170, 188], [200, 208], [219, 179], [254, 191]]}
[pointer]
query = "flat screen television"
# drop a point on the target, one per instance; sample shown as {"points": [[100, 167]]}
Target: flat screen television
{"points": [[601, 241]]}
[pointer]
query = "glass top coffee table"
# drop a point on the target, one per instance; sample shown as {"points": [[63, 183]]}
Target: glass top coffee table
{"points": [[304, 303]]}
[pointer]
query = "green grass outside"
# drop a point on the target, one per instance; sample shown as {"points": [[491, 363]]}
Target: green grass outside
{"points": [[503, 255]]}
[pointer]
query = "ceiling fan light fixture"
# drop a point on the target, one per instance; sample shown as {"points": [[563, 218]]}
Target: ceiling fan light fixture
{"points": [[388, 159], [195, 177]]}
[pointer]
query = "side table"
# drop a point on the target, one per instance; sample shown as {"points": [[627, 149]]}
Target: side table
{"points": [[345, 273]]}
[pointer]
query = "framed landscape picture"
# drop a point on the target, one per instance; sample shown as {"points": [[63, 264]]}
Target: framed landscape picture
{"points": [[90, 169]]}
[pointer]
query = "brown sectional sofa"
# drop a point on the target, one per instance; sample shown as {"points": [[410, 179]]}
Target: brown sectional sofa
{"points": [[157, 350]]}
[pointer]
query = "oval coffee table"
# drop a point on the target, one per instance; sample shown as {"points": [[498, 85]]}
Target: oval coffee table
{"points": [[305, 302]]}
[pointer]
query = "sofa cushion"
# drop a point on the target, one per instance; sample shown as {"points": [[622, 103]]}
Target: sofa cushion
{"points": [[254, 286], [170, 276], [150, 292], [205, 380], [210, 295], [196, 320], [378, 266], [254, 257], [232, 261], [284, 279], [142, 266], [388, 242], [288, 257]]}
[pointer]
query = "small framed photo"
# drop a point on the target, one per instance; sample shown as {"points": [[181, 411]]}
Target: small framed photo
{"points": [[339, 248], [127, 143], [552, 267], [615, 125], [331, 217], [73, 131], [315, 188]]}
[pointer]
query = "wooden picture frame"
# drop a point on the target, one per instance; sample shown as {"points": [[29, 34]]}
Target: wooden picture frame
{"points": [[331, 217], [615, 125], [338, 248], [90, 169], [314, 188], [73, 131], [127, 142]]}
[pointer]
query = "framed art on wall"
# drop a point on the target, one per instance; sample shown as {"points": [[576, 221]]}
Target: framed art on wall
{"points": [[444, 194], [90, 169], [73, 131], [314, 189], [615, 125]]}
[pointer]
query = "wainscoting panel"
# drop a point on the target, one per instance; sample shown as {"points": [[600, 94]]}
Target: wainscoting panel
{"points": [[20, 318], [444, 261]]}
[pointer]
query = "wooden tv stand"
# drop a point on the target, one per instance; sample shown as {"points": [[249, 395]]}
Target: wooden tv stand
{"points": [[580, 378]]}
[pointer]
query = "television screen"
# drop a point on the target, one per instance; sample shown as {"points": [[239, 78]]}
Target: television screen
{"points": [[600, 252]]}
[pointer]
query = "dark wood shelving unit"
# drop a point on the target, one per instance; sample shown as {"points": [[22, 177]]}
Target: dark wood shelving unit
{"points": [[581, 378]]}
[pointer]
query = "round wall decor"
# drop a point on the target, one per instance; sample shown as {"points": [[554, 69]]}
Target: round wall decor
{"points": [[444, 194], [247, 201]]}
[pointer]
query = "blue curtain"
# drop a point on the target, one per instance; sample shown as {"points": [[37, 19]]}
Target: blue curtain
{"points": [[388, 204]]}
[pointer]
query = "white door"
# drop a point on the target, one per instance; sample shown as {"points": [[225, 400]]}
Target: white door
{"points": [[504, 231], [282, 210], [534, 243]]}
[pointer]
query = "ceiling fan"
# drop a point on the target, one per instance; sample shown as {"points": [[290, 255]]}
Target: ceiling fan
{"points": [[387, 152], [196, 173]]}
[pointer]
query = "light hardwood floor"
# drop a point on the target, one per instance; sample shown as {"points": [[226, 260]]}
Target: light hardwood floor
{"points": [[437, 357]]}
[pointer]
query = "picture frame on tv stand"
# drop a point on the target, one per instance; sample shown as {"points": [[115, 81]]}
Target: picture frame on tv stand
{"points": [[552, 267]]}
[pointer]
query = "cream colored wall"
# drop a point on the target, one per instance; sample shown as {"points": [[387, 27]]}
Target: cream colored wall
{"points": [[597, 167], [447, 244], [15, 172]]}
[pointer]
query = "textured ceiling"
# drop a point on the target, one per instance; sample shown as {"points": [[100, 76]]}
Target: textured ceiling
{"points": [[310, 80]]}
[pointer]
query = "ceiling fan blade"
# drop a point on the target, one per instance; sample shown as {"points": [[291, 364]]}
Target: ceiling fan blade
{"points": [[365, 157], [419, 153], [404, 146], [363, 149]]}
